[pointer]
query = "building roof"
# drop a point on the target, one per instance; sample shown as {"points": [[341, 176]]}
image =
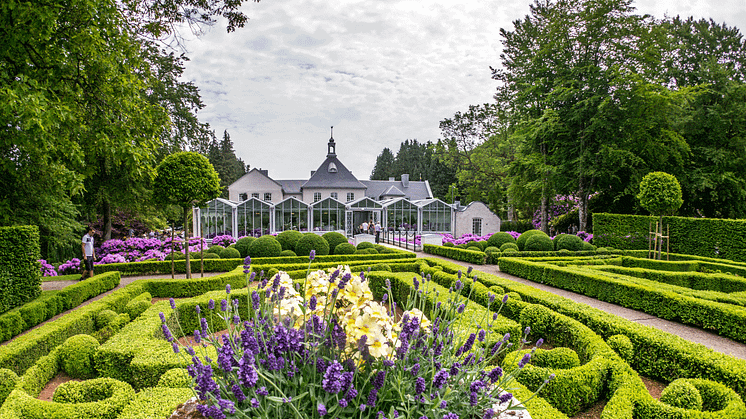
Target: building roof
{"points": [[332, 174], [291, 186], [415, 191]]}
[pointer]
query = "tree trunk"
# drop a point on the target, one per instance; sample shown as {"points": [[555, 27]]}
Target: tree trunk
{"points": [[544, 212], [106, 214], [173, 274], [582, 205], [186, 243]]}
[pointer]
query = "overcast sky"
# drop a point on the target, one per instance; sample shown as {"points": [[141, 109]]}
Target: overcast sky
{"points": [[380, 72]]}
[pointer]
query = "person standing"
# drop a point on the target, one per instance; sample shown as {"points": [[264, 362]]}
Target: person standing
{"points": [[365, 227], [88, 253], [378, 232]]}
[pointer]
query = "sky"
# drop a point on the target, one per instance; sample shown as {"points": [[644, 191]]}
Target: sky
{"points": [[380, 72]]}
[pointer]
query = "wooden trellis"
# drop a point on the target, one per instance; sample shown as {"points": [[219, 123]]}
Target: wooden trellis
{"points": [[655, 241]]}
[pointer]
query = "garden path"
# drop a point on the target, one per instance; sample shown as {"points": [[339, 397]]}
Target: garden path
{"points": [[693, 334]]}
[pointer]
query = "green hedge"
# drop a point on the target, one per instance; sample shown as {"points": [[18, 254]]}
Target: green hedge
{"points": [[709, 237], [464, 255], [20, 272], [51, 304]]}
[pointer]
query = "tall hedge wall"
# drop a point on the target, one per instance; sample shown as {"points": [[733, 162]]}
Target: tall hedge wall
{"points": [[20, 273], [710, 237]]}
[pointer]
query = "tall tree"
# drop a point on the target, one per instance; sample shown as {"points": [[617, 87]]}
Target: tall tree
{"points": [[384, 167], [225, 162]]}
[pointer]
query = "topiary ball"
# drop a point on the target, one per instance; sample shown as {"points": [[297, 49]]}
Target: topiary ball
{"points": [[622, 346], [588, 247], [507, 246], [175, 378], [491, 249], [365, 245], [474, 248], [681, 393], [8, 380], [243, 244], [176, 256], [311, 241], [539, 243], [287, 253], [508, 251], [104, 317], [215, 249], [500, 238], [230, 253], [569, 242], [448, 244], [289, 239], [481, 245], [210, 256], [76, 356], [521, 241], [265, 247], [557, 358], [344, 249], [334, 239]]}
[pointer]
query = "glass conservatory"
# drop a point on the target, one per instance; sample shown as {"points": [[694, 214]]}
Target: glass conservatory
{"points": [[328, 215], [253, 216], [436, 216], [216, 218], [400, 214], [291, 214]]}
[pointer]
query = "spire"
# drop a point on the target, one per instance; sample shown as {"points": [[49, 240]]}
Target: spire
{"points": [[331, 148]]}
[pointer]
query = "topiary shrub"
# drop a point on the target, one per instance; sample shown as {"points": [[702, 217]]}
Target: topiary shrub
{"points": [[539, 243], [104, 317], [474, 248], [448, 244], [500, 238], [311, 241], [215, 249], [491, 249], [265, 247], [210, 256], [506, 246], [681, 393], [508, 251], [344, 249], [564, 252], [521, 241], [289, 239], [463, 245], [588, 247], [287, 253], [176, 256], [480, 244], [569, 242], [175, 378], [557, 358], [8, 380], [243, 244], [381, 267], [230, 253], [76, 356], [334, 239], [622, 346], [365, 245]]}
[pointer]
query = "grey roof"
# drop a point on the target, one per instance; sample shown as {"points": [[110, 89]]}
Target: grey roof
{"points": [[342, 178], [291, 186], [416, 190], [393, 191]]}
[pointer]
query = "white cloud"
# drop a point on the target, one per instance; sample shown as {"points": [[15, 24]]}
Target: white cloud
{"points": [[380, 72]]}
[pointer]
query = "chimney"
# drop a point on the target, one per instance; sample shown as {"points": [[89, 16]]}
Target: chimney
{"points": [[405, 180], [391, 179]]}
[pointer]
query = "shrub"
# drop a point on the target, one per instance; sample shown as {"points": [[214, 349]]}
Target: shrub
{"points": [[334, 239], [243, 244], [491, 249], [507, 246], [538, 243], [681, 393], [175, 378], [569, 242], [500, 238], [381, 267], [20, 270], [480, 244], [138, 305], [289, 239], [557, 358], [311, 241], [265, 246], [8, 380], [448, 244], [230, 253], [474, 248], [509, 250], [588, 247], [287, 253], [104, 317], [76, 356], [622, 346], [344, 249], [521, 241], [365, 245], [215, 249], [208, 256]]}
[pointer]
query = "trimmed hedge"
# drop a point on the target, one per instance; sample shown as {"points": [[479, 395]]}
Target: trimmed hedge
{"points": [[288, 239], [265, 246], [311, 241], [464, 255], [20, 272], [709, 237], [334, 239]]}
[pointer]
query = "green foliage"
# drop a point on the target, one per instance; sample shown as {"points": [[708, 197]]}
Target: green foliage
{"points": [[243, 244], [448, 244], [344, 249], [474, 248], [230, 253], [20, 277], [521, 241], [334, 239], [538, 243], [104, 318], [175, 378], [491, 249], [507, 246], [216, 248], [381, 267], [76, 356], [8, 380], [681, 393], [288, 253], [569, 242], [660, 193], [365, 245], [500, 238], [138, 305], [155, 402], [622, 346], [185, 179], [470, 256], [288, 239], [311, 241], [265, 246]]}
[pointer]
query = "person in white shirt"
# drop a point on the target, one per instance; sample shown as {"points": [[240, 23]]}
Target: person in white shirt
{"points": [[378, 232], [88, 253], [365, 227]]}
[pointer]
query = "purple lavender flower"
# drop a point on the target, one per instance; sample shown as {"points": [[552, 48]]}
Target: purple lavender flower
{"points": [[492, 298], [539, 342], [415, 369], [441, 377], [312, 303], [527, 330], [455, 367], [211, 304], [255, 300], [419, 385], [238, 393], [461, 308], [443, 404], [197, 337], [488, 414], [167, 333], [473, 398], [416, 283], [262, 391], [362, 407], [227, 288], [332, 380], [379, 380], [372, 397], [385, 298], [203, 324], [321, 409], [458, 274], [223, 305], [254, 403], [197, 309], [482, 335], [525, 360], [388, 363], [494, 316], [312, 255], [175, 347], [505, 298], [505, 397], [173, 303], [162, 316], [343, 402], [450, 416], [495, 374], [247, 374]]}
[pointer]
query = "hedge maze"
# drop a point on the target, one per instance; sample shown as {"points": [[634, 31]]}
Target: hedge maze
{"points": [[596, 357]]}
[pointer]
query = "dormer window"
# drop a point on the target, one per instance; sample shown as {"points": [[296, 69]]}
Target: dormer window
{"points": [[332, 168]]}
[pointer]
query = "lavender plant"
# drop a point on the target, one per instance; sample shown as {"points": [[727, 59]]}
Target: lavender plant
{"points": [[324, 348]]}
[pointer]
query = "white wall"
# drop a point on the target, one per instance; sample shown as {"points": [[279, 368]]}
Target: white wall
{"points": [[326, 193], [464, 220], [255, 182]]}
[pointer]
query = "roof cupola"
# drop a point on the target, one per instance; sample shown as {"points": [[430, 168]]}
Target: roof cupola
{"points": [[331, 152]]}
